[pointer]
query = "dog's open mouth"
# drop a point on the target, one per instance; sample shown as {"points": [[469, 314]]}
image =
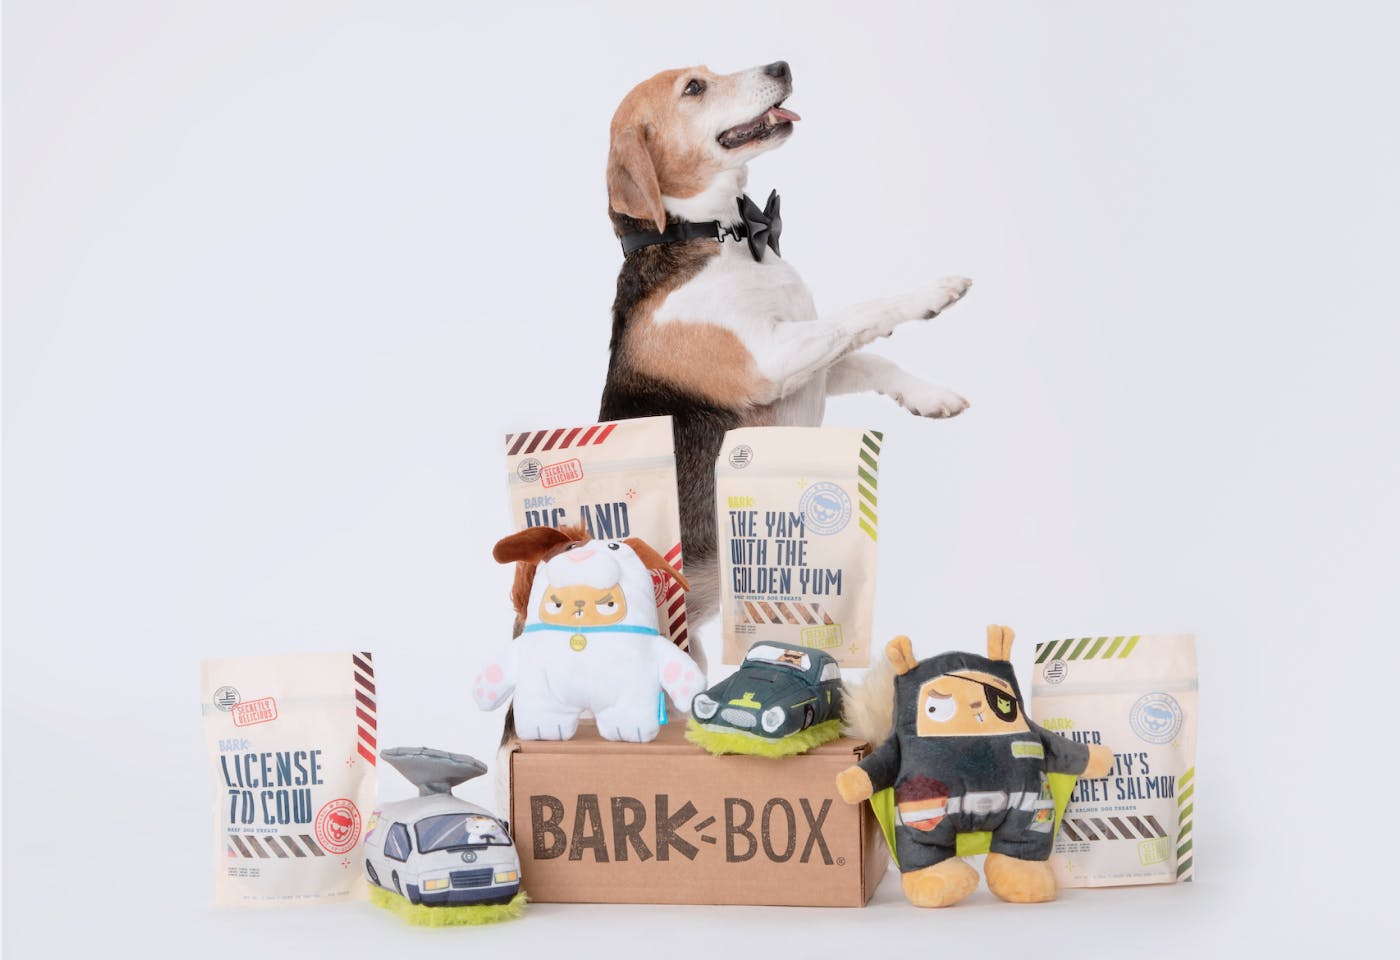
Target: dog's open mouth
{"points": [[772, 121]]}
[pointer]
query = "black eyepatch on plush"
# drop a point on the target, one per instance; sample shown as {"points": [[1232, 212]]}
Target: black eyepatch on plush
{"points": [[1002, 704]]}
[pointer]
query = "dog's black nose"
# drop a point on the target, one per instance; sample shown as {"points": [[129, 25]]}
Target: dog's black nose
{"points": [[778, 69]]}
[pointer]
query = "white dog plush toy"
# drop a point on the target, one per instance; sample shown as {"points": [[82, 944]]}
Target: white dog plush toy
{"points": [[590, 641]]}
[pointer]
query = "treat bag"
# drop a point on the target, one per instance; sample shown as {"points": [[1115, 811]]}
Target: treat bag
{"points": [[797, 517], [1138, 695], [291, 742], [616, 480]]}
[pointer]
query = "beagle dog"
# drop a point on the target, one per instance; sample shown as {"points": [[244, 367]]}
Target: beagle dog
{"points": [[707, 332]]}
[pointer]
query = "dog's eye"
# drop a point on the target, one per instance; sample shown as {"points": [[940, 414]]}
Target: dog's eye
{"points": [[613, 546], [694, 88]]}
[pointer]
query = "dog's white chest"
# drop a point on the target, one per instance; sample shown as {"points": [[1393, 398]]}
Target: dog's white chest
{"points": [[740, 293], [753, 299]]}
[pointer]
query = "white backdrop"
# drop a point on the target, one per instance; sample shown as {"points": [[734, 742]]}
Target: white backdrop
{"points": [[279, 276]]}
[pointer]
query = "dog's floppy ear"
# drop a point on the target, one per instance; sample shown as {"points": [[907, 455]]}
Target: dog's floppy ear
{"points": [[529, 545], [655, 561], [632, 185], [999, 642]]}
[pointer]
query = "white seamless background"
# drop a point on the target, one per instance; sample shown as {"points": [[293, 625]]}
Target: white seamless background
{"points": [[278, 277]]}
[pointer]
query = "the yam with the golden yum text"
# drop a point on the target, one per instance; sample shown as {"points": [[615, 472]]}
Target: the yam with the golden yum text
{"points": [[798, 521]]}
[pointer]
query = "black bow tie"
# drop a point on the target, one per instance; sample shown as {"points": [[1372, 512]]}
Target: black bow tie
{"points": [[761, 228]]}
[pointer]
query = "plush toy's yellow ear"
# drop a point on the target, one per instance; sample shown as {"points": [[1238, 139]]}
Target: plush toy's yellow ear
{"points": [[900, 652], [999, 642]]}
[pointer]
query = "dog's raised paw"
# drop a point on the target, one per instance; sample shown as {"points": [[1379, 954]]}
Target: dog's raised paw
{"points": [[960, 284], [927, 400], [947, 292]]}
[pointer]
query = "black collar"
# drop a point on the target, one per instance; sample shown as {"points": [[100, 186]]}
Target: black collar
{"points": [[681, 231], [761, 228]]}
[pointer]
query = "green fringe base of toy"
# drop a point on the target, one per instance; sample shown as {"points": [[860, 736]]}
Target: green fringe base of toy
{"points": [[471, 915], [756, 746]]}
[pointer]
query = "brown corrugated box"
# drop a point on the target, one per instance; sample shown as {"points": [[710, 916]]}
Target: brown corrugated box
{"points": [[665, 822]]}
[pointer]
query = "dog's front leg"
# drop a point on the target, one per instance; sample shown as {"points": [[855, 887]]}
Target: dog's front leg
{"points": [[867, 373], [868, 321], [797, 351]]}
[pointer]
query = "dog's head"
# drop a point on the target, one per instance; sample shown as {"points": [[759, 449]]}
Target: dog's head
{"points": [[685, 135]]}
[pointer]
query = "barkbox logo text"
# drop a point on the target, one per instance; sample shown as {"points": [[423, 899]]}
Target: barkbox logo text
{"points": [[625, 828]]}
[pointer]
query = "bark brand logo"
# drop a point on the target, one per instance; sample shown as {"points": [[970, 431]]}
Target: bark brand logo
{"points": [[623, 828]]}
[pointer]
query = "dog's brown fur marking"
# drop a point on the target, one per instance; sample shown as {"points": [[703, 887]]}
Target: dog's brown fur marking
{"points": [[702, 358]]}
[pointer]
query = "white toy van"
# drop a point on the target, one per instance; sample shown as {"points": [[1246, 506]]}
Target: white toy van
{"points": [[436, 848]]}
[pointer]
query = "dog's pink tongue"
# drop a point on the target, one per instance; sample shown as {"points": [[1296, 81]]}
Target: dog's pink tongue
{"points": [[778, 115]]}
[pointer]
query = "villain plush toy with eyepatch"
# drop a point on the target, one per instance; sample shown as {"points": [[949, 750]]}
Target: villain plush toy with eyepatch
{"points": [[963, 771], [590, 641]]}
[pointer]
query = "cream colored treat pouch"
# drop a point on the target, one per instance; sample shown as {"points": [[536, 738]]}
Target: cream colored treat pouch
{"points": [[292, 743], [1137, 695], [797, 531], [616, 480]]}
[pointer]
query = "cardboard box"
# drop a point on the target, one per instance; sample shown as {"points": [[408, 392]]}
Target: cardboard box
{"points": [[665, 822]]}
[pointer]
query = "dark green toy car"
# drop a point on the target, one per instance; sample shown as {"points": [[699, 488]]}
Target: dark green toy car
{"points": [[779, 689]]}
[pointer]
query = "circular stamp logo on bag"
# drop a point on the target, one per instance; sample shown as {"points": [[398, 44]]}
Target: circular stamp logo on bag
{"points": [[529, 470], [826, 508], [741, 456], [226, 698], [1056, 671], [1156, 718], [338, 826]]}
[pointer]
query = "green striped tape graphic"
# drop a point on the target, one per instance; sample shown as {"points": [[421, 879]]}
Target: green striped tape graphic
{"points": [[1186, 807], [1085, 648], [867, 471]]}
